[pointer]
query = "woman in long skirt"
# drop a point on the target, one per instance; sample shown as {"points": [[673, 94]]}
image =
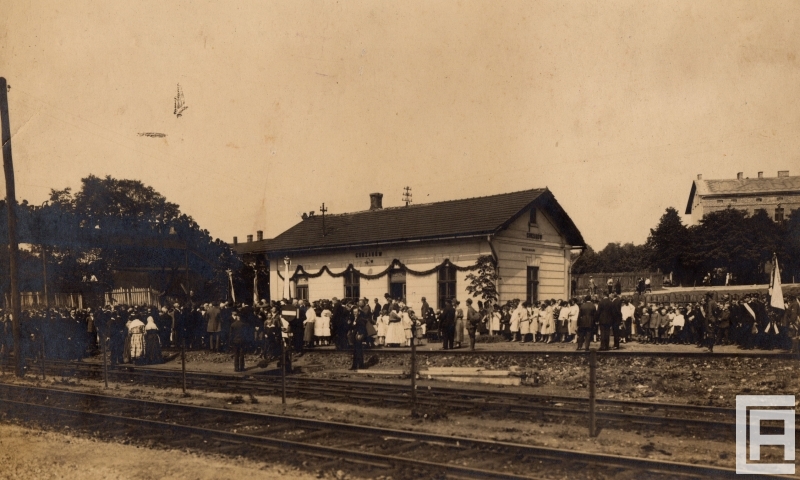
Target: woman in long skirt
{"points": [[459, 337], [136, 332], [308, 326], [152, 343], [395, 335], [548, 322]]}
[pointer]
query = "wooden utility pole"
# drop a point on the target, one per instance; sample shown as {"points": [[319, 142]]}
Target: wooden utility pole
{"points": [[413, 366], [592, 392], [13, 246]]}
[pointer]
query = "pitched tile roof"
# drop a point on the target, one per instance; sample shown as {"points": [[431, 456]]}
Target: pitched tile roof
{"points": [[752, 185], [745, 186], [429, 221]]}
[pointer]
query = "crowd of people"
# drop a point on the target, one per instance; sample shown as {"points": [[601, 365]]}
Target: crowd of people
{"points": [[136, 334]]}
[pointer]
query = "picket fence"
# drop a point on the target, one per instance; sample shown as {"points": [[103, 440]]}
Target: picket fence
{"points": [[117, 296]]}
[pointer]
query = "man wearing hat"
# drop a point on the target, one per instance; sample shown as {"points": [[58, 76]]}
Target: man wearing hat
{"points": [[339, 324], [447, 325]]}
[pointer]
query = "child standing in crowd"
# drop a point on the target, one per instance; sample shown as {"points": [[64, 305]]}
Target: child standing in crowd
{"points": [[644, 325]]}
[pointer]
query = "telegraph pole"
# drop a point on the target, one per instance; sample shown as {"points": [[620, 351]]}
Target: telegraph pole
{"points": [[13, 246]]}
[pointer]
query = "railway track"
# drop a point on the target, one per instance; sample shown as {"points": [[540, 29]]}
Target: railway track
{"points": [[321, 445], [567, 352], [718, 422]]}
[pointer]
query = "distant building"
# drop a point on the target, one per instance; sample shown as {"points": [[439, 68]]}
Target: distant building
{"points": [[777, 196], [426, 250]]}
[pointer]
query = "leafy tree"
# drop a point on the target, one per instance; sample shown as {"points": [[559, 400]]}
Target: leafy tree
{"points": [[484, 282], [117, 225], [667, 242]]}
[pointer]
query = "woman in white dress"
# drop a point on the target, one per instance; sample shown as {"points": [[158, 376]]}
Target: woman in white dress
{"points": [[494, 319], [406, 320], [548, 322], [535, 322], [524, 323], [322, 326], [574, 311], [395, 336], [382, 326]]}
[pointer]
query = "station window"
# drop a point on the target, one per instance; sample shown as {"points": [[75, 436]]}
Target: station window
{"points": [[447, 284], [533, 216], [301, 288], [533, 284], [779, 214], [719, 201], [352, 284], [758, 199]]}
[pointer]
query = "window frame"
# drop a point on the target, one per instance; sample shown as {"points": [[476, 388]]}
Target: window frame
{"points": [[779, 211], [446, 284], [352, 284], [532, 284], [533, 217]]}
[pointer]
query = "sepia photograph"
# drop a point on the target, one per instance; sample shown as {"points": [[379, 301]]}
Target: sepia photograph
{"points": [[345, 240]]}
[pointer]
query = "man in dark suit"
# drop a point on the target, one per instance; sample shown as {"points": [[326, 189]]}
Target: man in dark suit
{"points": [[586, 322], [238, 340], [447, 325], [605, 317], [339, 323], [616, 306]]}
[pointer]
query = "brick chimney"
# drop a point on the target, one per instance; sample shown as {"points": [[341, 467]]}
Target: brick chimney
{"points": [[699, 176], [235, 240], [249, 238], [260, 235], [760, 174], [740, 176], [783, 173], [375, 201]]}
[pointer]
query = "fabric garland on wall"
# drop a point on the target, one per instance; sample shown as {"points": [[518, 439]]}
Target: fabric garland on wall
{"points": [[300, 271]]}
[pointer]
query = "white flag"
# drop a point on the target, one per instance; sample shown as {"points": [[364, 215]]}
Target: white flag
{"points": [[255, 288], [775, 290], [286, 292]]}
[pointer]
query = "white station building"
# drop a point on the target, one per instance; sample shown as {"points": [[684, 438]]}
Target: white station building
{"points": [[426, 250]]}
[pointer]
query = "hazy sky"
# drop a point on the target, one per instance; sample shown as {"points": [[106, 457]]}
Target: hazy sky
{"points": [[615, 106]]}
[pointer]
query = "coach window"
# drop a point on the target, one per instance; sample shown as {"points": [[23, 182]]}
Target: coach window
{"points": [[533, 284], [447, 284], [352, 287]]}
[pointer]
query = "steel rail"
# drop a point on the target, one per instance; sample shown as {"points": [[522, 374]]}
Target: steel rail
{"points": [[376, 386], [200, 414]]}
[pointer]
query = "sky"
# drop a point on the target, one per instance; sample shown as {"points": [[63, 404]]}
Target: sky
{"points": [[615, 106]]}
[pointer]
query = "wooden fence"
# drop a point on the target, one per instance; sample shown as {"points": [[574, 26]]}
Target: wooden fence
{"points": [[133, 296], [118, 296], [628, 280], [33, 300]]}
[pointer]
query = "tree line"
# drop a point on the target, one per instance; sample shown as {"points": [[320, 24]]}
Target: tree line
{"points": [[726, 242], [111, 225]]}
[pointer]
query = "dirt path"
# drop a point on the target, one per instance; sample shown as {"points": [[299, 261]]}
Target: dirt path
{"points": [[42, 455]]}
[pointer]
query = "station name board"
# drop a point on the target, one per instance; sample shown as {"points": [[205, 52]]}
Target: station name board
{"points": [[369, 254], [535, 236]]}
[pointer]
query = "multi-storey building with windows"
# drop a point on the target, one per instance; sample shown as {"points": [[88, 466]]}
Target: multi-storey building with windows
{"points": [[777, 196], [426, 250]]}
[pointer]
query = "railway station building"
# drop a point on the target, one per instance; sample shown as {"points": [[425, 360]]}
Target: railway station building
{"points": [[426, 250]]}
